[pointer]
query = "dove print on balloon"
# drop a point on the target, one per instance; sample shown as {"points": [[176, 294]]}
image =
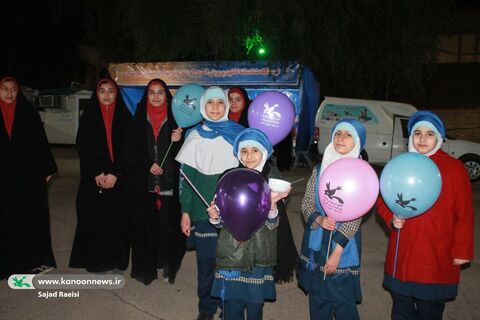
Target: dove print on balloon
{"points": [[186, 105], [348, 189], [273, 113]]}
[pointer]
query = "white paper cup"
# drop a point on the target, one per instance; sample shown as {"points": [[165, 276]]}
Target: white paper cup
{"points": [[278, 185]]}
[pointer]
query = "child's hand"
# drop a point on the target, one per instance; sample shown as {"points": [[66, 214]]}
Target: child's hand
{"points": [[459, 262], [277, 196], [326, 222], [398, 222], [185, 224], [177, 134], [156, 170], [333, 260], [212, 211]]}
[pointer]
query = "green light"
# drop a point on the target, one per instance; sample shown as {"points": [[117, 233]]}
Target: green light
{"points": [[255, 41]]}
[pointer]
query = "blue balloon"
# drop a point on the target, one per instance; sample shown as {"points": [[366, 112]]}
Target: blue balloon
{"points": [[186, 105], [410, 184]]}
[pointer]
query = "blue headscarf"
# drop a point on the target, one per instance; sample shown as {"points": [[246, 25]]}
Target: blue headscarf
{"points": [[430, 120], [254, 135], [253, 138], [426, 116], [360, 132]]}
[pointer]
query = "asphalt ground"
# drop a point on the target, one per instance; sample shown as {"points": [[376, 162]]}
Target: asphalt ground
{"points": [[161, 300]]}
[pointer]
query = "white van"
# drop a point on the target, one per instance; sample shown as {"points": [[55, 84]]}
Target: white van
{"points": [[386, 124]]}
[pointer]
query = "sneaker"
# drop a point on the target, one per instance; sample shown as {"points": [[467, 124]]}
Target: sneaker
{"points": [[41, 269]]}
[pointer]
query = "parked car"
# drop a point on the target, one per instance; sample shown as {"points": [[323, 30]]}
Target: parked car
{"points": [[386, 124]]}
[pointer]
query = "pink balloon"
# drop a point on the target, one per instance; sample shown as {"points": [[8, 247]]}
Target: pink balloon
{"points": [[273, 113], [348, 189]]}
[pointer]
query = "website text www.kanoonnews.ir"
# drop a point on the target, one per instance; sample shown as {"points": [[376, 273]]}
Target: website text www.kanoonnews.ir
{"points": [[65, 285]]}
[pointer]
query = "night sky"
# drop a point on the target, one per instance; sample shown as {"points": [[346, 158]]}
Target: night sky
{"points": [[44, 41]]}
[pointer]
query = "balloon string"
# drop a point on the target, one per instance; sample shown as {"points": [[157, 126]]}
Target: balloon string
{"points": [[328, 253], [194, 189], [297, 181], [166, 153], [396, 252]]}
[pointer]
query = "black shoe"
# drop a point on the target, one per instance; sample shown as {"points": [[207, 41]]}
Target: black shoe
{"points": [[204, 317], [165, 271], [169, 275]]}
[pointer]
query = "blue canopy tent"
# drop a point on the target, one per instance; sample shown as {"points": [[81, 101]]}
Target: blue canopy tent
{"points": [[292, 79]]}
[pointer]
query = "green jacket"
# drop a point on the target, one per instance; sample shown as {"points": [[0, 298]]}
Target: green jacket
{"points": [[259, 251], [190, 202]]}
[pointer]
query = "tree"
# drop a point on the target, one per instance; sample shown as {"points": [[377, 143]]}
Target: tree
{"points": [[358, 48]]}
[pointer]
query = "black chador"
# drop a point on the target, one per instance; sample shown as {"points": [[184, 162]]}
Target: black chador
{"points": [[157, 240], [25, 162], [101, 237]]}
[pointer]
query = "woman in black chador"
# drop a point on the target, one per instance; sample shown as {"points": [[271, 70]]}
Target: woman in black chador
{"points": [[101, 238], [26, 165], [154, 140]]}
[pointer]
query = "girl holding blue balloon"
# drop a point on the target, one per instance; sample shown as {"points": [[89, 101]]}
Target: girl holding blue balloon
{"points": [[332, 280], [424, 270], [244, 269], [206, 153]]}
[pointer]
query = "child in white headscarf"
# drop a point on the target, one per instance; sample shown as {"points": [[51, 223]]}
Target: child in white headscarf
{"points": [[244, 270], [333, 281], [206, 153], [435, 244]]}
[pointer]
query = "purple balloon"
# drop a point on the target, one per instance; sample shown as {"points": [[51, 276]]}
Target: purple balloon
{"points": [[243, 199], [273, 113]]}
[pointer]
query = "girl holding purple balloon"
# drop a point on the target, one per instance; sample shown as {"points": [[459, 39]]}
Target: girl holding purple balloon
{"points": [[206, 153], [332, 280], [425, 270], [244, 269]]}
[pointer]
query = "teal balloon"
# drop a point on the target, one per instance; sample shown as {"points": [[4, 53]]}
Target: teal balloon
{"points": [[410, 184], [186, 105]]}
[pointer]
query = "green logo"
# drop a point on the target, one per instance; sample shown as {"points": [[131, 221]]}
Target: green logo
{"points": [[20, 283]]}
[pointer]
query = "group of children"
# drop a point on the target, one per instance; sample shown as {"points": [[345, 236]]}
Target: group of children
{"points": [[241, 273], [433, 248], [129, 182]]}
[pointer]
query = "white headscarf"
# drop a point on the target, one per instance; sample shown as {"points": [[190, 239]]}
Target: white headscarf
{"points": [[214, 93], [208, 156], [330, 155]]}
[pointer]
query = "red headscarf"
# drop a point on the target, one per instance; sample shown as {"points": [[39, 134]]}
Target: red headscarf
{"points": [[235, 116], [8, 109], [156, 114], [107, 113]]}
